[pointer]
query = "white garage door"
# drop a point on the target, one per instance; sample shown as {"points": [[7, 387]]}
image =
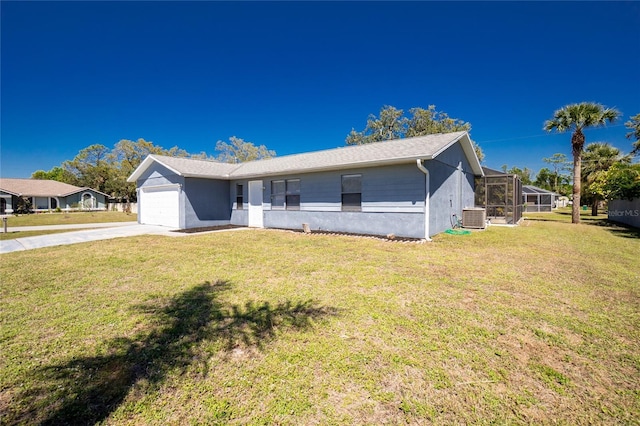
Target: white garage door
{"points": [[160, 205]]}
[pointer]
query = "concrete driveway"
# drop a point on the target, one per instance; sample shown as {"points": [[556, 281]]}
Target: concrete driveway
{"points": [[101, 231]]}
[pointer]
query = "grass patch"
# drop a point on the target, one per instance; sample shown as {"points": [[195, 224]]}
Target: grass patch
{"points": [[69, 218], [23, 234], [535, 324]]}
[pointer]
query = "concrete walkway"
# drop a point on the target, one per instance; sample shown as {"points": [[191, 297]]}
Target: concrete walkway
{"points": [[100, 231]]}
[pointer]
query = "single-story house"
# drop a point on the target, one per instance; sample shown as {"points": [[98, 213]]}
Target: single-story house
{"points": [[538, 200], [45, 195], [409, 187]]}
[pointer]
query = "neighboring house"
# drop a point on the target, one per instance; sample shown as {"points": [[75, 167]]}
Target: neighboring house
{"points": [[538, 199], [407, 187], [45, 195]]}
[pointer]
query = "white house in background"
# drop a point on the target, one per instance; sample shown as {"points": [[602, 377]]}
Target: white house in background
{"points": [[409, 187]]}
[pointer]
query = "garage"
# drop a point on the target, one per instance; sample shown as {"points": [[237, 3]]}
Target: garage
{"points": [[160, 205]]}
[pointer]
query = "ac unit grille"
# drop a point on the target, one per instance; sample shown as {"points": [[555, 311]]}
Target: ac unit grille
{"points": [[474, 218]]}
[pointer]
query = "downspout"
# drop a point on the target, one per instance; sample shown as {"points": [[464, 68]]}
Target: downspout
{"points": [[423, 169]]}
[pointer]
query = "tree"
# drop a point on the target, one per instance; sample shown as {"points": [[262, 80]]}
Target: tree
{"points": [[598, 157], [125, 157], [634, 126], [56, 173], [576, 118], [621, 181], [392, 124], [107, 170], [429, 121], [523, 174], [559, 163], [545, 179], [91, 167], [239, 151]]}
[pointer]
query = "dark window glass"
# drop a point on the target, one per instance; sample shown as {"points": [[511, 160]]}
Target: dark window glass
{"points": [[277, 194], [239, 197], [293, 194], [352, 193]]}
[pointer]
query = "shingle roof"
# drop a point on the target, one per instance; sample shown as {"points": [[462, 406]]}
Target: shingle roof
{"points": [[388, 152], [38, 188], [530, 189], [193, 167]]}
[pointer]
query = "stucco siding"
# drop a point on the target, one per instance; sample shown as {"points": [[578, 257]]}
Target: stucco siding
{"points": [[401, 224], [157, 174], [452, 188], [384, 189], [392, 202], [206, 202]]}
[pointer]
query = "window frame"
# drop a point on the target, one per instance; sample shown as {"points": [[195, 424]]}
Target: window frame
{"points": [[239, 196], [351, 194], [290, 195], [283, 197], [278, 195]]}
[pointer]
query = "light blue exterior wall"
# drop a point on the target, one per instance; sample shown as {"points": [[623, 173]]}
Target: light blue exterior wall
{"points": [[206, 202], [70, 202], [203, 202], [392, 202], [393, 198], [157, 175], [452, 188], [74, 200]]}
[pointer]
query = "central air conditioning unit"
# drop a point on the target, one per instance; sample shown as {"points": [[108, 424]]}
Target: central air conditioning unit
{"points": [[474, 218]]}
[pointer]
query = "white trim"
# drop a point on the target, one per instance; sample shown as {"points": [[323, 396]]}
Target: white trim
{"points": [[255, 215], [164, 187], [426, 198], [145, 165]]}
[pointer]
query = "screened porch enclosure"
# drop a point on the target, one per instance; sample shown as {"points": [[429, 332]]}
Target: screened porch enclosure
{"points": [[537, 199], [500, 194]]}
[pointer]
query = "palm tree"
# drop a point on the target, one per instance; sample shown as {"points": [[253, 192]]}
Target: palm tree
{"points": [[576, 118], [634, 126], [598, 157]]}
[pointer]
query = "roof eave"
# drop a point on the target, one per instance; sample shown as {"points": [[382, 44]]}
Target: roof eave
{"points": [[146, 163]]}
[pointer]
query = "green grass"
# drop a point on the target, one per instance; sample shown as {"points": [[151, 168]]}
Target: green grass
{"points": [[12, 235], [71, 218], [538, 324]]}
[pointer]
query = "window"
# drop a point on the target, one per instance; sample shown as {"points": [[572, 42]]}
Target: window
{"points": [[239, 197], [351, 193], [277, 194], [292, 199], [285, 194]]}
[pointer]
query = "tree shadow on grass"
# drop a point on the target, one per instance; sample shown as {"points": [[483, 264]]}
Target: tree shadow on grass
{"points": [[618, 229], [86, 390]]}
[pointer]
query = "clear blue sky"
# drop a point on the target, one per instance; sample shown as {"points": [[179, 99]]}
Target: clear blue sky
{"points": [[297, 77]]}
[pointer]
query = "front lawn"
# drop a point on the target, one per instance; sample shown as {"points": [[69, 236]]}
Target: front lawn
{"points": [[538, 324], [69, 218]]}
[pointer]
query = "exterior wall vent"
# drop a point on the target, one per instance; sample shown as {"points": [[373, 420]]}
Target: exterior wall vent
{"points": [[474, 218]]}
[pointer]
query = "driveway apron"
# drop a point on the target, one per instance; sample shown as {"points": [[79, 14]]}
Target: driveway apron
{"points": [[74, 237]]}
